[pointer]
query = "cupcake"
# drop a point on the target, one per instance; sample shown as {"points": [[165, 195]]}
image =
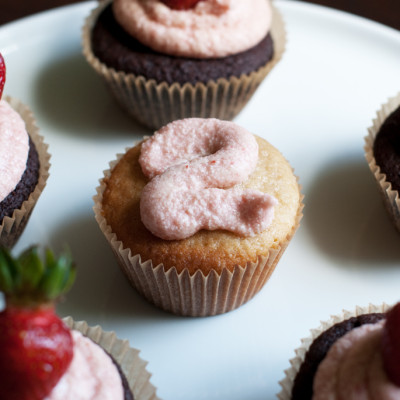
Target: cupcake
{"points": [[382, 151], [46, 358], [164, 63], [135, 378], [24, 166], [199, 214], [352, 356]]}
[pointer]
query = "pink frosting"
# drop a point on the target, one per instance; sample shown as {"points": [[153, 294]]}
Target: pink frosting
{"points": [[353, 369], [212, 28], [91, 375], [14, 148], [193, 165]]}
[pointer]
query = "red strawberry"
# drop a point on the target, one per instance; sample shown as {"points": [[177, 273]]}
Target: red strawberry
{"points": [[180, 4], [391, 344], [2, 74], [36, 347]]}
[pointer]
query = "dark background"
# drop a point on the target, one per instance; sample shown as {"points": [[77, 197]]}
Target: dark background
{"points": [[384, 11]]}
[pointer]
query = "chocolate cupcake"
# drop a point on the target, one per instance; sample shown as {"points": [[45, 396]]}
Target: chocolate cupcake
{"points": [[132, 368], [382, 152], [46, 358], [19, 195], [156, 84], [337, 344]]}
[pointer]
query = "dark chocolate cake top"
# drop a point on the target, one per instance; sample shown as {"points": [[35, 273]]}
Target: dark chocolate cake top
{"points": [[387, 149], [25, 186], [303, 383], [118, 50]]}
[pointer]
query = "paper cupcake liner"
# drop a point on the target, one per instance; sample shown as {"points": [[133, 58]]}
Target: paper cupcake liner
{"points": [[297, 361], [155, 104], [196, 295], [12, 227], [390, 197], [133, 367]]}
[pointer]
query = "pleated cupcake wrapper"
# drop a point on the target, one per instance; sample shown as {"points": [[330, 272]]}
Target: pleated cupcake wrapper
{"points": [[127, 357], [297, 361], [155, 104], [12, 227], [390, 197], [194, 295]]}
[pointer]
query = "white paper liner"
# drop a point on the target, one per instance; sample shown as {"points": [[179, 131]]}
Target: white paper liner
{"points": [[390, 197], [12, 227], [192, 295], [127, 357], [155, 104], [297, 361]]}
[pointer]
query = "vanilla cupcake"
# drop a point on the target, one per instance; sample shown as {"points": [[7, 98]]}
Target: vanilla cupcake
{"points": [[351, 356], [163, 64], [200, 232], [24, 168], [382, 152]]}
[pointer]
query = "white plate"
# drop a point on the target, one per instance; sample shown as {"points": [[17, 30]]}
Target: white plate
{"points": [[315, 107]]}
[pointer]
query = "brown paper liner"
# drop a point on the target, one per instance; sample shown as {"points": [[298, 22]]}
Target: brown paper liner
{"points": [[155, 104], [127, 357], [12, 227], [196, 295], [297, 361], [390, 197]]}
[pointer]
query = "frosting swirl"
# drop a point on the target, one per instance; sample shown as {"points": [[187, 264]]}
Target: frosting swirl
{"points": [[353, 368], [14, 149], [211, 29], [91, 375], [194, 165]]}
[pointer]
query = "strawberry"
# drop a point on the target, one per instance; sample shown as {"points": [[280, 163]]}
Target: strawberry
{"points": [[180, 4], [391, 344], [2, 74], [36, 347]]}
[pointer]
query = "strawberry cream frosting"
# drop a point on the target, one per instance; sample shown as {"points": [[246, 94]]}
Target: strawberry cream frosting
{"points": [[14, 149], [195, 166], [353, 368], [91, 375], [211, 29]]}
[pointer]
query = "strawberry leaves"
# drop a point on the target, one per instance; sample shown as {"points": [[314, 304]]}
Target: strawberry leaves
{"points": [[29, 279], [59, 276]]}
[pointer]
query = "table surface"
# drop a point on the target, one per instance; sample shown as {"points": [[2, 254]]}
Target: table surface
{"points": [[384, 11]]}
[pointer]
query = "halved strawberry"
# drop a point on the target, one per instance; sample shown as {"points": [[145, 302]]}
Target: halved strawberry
{"points": [[181, 4], [391, 344], [36, 347], [2, 74]]}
